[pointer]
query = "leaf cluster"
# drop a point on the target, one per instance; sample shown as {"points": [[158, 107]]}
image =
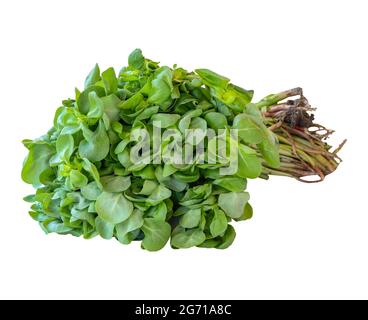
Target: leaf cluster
{"points": [[86, 184]]}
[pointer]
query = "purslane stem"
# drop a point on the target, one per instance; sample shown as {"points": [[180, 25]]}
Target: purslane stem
{"points": [[304, 152]]}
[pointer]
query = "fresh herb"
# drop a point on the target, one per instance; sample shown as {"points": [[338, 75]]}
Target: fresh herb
{"points": [[87, 183]]}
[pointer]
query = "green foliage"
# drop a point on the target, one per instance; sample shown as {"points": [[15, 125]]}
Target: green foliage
{"points": [[87, 184]]}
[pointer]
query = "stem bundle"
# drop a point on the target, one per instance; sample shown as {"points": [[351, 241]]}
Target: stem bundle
{"points": [[304, 152]]}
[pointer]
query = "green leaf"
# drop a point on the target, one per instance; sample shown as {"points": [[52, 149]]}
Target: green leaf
{"points": [[168, 170], [156, 234], [111, 107], [158, 212], [249, 129], [92, 77], [216, 120], [65, 146], [147, 189], [136, 59], [191, 218], [158, 195], [228, 238], [161, 87], [210, 243], [135, 221], [146, 113], [219, 223], [211, 78], [121, 146], [115, 183], [233, 203], [113, 207], [243, 97], [269, 149], [78, 179], [132, 102], [55, 226], [231, 183], [247, 214], [165, 120], [97, 146], [83, 101], [36, 162], [110, 81], [187, 239], [104, 228], [96, 106], [249, 165], [91, 191], [64, 149], [92, 170]]}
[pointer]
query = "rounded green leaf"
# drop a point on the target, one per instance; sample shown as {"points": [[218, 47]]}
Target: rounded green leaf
{"points": [[191, 218], [228, 238], [269, 149], [135, 221], [36, 162], [247, 214], [158, 195], [115, 183], [105, 229], [233, 203], [249, 165], [158, 212], [249, 129], [113, 207], [96, 147], [136, 59], [165, 120], [78, 179], [91, 191], [187, 239], [83, 101], [216, 120], [65, 146], [156, 234]]}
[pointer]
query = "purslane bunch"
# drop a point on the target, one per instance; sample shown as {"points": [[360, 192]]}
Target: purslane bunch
{"points": [[158, 154]]}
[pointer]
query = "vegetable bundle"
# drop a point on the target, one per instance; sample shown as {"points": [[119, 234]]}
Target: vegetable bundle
{"points": [[157, 154]]}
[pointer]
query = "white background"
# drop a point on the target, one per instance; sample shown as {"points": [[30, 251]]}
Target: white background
{"points": [[305, 241]]}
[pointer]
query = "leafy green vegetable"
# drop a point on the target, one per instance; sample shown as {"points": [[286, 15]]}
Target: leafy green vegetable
{"points": [[105, 229], [233, 203], [156, 234], [36, 162], [134, 222], [110, 81], [91, 191], [189, 238], [92, 77], [115, 183], [219, 223], [248, 129], [113, 207], [96, 145], [216, 120], [94, 174], [191, 218]]}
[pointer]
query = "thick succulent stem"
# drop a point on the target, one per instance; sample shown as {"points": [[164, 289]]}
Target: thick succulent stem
{"points": [[304, 153]]}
